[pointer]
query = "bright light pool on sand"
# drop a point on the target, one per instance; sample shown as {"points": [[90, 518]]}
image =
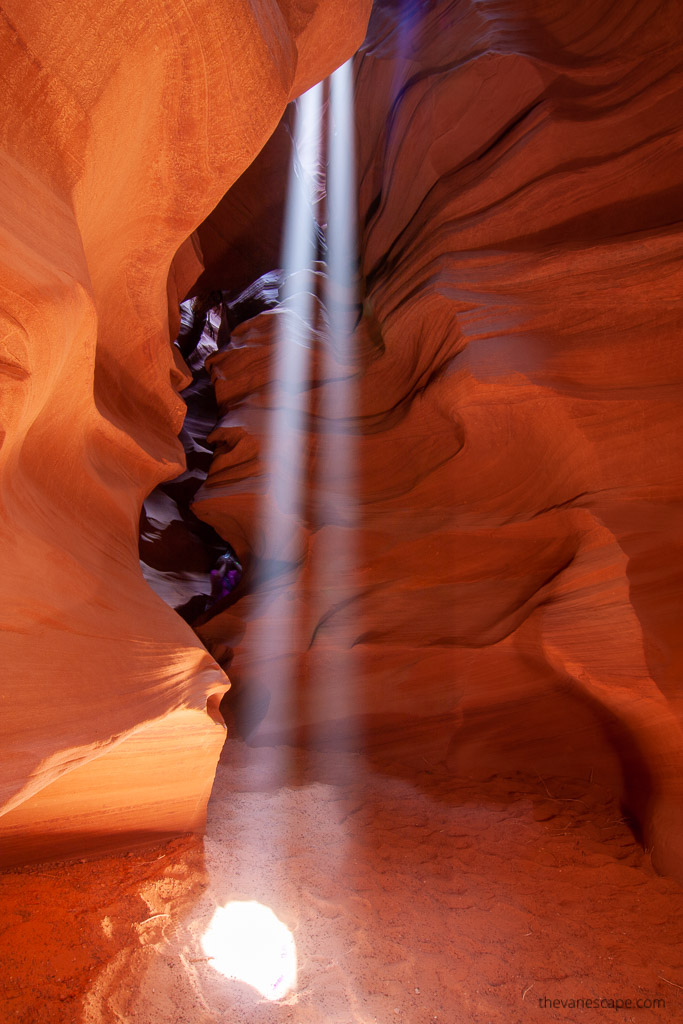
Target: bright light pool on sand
{"points": [[246, 942]]}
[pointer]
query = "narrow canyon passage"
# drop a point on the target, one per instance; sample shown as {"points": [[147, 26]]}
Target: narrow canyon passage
{"points": [[341, 360], [408, 900]]}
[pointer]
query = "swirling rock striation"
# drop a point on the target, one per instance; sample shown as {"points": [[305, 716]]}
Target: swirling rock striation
{"points": [[123, 125], [491, 574]]}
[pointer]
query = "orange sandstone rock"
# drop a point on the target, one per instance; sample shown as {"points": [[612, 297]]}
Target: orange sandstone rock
{"points": [[123, 125], [493, 576]]}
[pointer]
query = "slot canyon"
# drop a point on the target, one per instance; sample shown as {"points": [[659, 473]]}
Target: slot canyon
{"points": [[341, 480]]}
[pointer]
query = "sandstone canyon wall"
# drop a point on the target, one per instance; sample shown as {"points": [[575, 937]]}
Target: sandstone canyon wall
{"points": [[494, 577], [123, 125]]}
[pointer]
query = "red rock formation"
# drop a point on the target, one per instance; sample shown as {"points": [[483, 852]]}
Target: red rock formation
{"points": [[511, 599], [123, 125]]}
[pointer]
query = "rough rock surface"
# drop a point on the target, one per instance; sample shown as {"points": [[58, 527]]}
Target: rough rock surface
{"points": [[123, 125], [492, 575]]}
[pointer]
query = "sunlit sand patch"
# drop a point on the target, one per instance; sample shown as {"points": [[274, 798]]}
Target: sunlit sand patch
{"points": [[247, 942]]}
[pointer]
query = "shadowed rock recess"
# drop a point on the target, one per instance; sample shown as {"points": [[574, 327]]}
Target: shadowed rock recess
{"points": [[492, 578], [123, 126]]}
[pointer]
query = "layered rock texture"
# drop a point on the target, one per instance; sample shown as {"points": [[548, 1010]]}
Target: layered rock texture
{"points": [[123, 126], [487, 567]]}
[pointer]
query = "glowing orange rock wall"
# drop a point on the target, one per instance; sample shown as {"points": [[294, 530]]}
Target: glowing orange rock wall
{"points": [[506, 594], [123, 125]]}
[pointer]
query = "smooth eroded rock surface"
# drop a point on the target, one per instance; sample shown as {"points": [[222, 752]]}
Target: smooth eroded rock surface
{"points": [[123, 125], [486, 567]]}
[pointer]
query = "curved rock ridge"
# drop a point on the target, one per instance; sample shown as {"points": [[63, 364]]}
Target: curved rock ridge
{"points": [[123, 125], [491, 574]]}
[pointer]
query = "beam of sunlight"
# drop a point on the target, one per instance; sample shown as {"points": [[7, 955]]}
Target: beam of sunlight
{"points": [[246, 942], [272, 641], [302, 517], [332, 698], [294, 327], [341, 296]]}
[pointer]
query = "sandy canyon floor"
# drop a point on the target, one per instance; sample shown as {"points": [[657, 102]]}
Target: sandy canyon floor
{"points": [[350, 896]]}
